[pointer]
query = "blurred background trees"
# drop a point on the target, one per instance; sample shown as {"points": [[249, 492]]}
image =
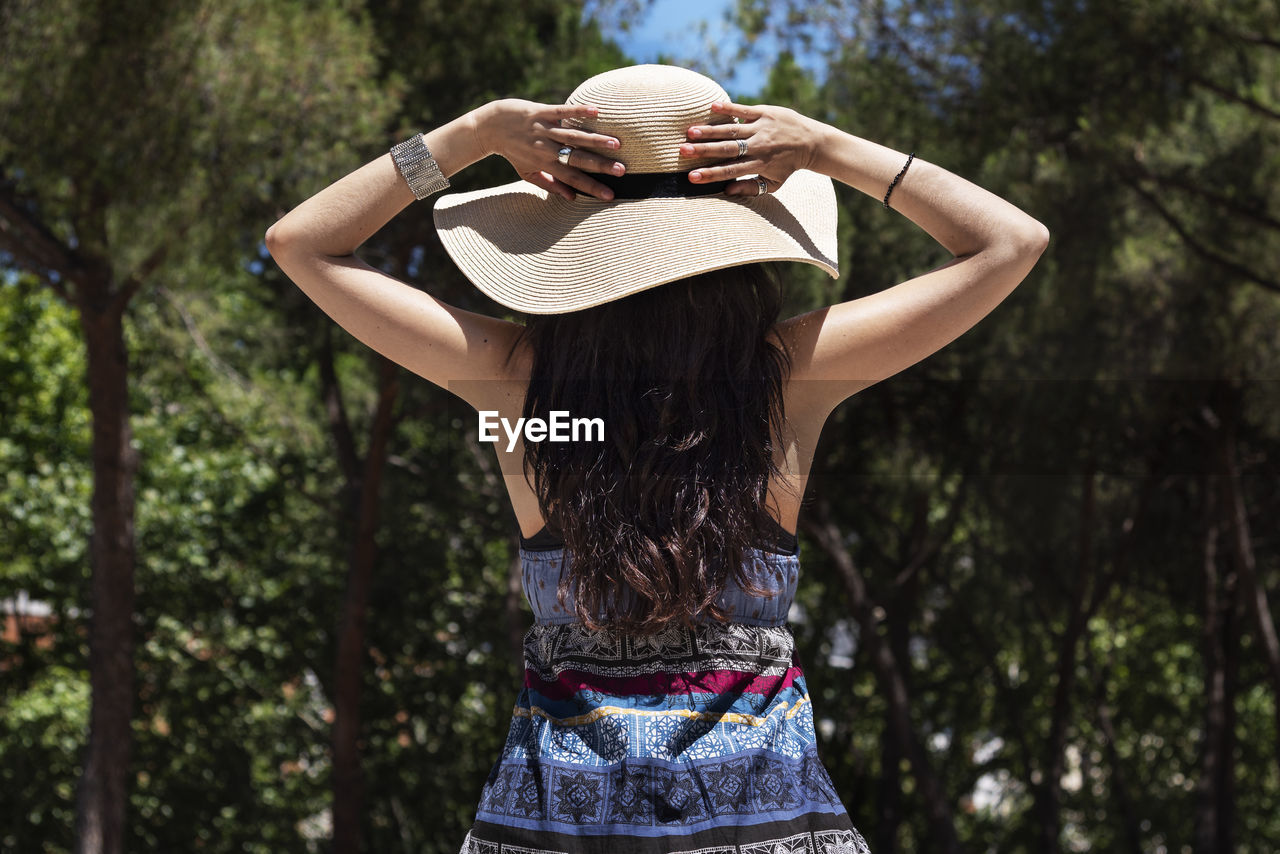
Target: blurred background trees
{"points": [[1038, 607]]}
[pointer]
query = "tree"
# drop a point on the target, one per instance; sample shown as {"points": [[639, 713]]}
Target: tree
{"points": [[1103, 434], [137, 137]]}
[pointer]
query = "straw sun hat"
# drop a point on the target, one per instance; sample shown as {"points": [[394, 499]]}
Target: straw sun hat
{"points": [[539, 253]]}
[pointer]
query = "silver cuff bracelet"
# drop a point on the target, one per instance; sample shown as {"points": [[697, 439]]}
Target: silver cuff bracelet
{"points": [[419, 168]]}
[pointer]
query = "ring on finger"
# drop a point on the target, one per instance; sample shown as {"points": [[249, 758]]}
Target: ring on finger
{"points": [[762, 186], [742, 148], [563, 155]]}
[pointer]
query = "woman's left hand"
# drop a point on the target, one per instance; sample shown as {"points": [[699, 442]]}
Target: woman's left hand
{"points": [[779, 142], [530, 135]]}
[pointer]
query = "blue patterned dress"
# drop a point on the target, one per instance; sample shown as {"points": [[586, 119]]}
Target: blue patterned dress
{"points": [[697, 741]]}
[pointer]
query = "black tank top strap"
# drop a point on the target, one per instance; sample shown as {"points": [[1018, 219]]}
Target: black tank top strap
{"points": [[543, 541], [780, 540], [783, 541]]}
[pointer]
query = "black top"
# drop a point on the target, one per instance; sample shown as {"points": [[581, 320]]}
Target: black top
{"points": [[781, 541]]}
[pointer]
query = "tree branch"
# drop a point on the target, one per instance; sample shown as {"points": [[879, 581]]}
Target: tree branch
{"points": [[339, 423], [1195, 245], [33, 246], [1234, 97], [201, 344], [1248, 38], [145, 270], [931, 543], [1257, 215]]}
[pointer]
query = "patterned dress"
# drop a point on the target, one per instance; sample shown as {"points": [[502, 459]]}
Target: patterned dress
{"points": [[698, 741]]}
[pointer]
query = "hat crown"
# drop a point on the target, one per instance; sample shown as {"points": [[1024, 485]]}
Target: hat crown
{"points": [[649, 109]]}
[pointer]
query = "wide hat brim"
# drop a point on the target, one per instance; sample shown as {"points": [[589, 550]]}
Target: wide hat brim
{"points": [[539, 253]]}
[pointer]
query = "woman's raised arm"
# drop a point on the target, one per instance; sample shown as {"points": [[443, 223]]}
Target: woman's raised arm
{"points": [[841, 349], [314, 244]]}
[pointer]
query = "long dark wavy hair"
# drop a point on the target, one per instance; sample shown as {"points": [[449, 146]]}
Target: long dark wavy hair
{"points": [[688, 380]]}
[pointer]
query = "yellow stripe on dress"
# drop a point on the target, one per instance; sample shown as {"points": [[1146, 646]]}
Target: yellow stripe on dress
{"points": [[788, 710]]}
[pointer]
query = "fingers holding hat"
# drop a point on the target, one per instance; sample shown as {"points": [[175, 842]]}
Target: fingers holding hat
{"points": [[743, 112], [531, 137], [729, 171], [726, 140], [580, 156], [582, 182], [755, 185], [778, 141], [727, 150], [567, 182], [746, 177], [548, 182], [701, 133], [563, 171], [582, 139]]}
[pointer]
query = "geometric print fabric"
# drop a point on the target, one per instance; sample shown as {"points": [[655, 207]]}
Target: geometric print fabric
{"points": [[697, 740], [810, 842]]}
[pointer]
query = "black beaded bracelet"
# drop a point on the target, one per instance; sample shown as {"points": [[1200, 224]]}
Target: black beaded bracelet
{"points": [[898, 178]]}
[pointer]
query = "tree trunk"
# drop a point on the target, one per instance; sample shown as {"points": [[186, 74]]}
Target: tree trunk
{"points": [[1214, 810], [1246, 564], [1048, 795], [942, 829], [1126, 812], [102, 792], [1226, 785], [889, 805], [348, 775], [899, 612]]}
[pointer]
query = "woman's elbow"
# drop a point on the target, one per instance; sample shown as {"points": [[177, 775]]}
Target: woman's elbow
{"points": [[1035, 237], [1020, 243], [275, 239]]}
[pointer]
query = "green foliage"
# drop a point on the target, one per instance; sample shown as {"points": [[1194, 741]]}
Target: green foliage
{"points": [[43, 436], [1063, 445], [145, 128], [1106, 367], [236, 591], [42, 729]]}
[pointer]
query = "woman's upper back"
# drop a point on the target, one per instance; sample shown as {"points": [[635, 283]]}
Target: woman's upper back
{"points": [[774, 567]]}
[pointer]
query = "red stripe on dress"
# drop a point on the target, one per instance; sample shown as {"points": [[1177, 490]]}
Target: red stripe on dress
{"points": [[571, 682]]}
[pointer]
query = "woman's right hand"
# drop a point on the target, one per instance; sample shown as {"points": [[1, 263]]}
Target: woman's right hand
{"points": [[780, 141], [529, 135]]}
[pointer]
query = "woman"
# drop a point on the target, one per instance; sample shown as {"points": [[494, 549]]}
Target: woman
{"points": [[663, 709]]}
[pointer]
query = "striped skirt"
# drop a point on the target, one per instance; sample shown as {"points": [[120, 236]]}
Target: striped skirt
{"points": [[693, 740]]}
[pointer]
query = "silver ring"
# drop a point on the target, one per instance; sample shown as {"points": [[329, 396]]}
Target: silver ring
{"points": [[762, 186], [563, 156], [742, 148]]}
